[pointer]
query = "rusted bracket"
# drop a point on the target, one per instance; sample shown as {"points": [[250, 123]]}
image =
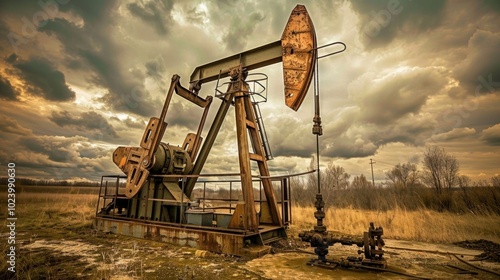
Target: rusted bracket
{"points": [[190, 95], [193, 141], [137, 161]]}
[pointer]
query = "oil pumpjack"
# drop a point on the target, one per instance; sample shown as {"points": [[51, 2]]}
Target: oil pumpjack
{"points": [[155, 201]]}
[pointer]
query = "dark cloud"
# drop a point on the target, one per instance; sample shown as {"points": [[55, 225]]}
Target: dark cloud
{"points": [[68, 33], [134, 124], [195, 15], [95, 50], [454, 134], [10, 125], [7, 91], [240, 29], [492, 4], [413, 130], [289, 136], [344, 147], [360, 141], [235, 23], [156, 70], [491, 135], [57, 149], [108, 48], [479, 72], [184, 114], [4, 31], [87, 150], [88, 122], [350, 136], [43, 79], [13, 58], [382, 21], [157, 13], [60, 157], [95, 13], [385, 97]]}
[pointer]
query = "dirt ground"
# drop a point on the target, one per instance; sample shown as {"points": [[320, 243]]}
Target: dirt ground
{"points": [[83, 253], [55, 240], [432, 261]]}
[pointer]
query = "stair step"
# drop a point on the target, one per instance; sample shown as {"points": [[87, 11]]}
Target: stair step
{"points": [[250, 124], [256, 157]]}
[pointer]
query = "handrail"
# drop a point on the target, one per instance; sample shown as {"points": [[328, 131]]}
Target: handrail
{"points": [[113, 196]]}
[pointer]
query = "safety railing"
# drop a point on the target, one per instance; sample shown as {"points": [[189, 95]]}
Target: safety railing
{"points": [[218, 195], [257, 87]]}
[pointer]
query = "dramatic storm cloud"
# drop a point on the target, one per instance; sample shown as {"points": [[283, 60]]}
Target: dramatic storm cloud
{"points": [[79, 78], [42, 79], [88, 122], [382, 22], [155, 13], [6, 90]]}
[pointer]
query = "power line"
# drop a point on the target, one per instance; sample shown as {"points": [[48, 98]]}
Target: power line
{"points": [[386, 163]]}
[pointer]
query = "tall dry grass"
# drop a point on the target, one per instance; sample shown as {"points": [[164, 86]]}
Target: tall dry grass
{"points": [[42, 214], [419, 225], [74, 208], [40, 209], [64, 207]]}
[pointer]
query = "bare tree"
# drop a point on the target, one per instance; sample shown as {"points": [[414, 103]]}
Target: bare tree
{"points": [[440, 168], [403, 175], [335, 177], [360, 182], [464, 181], [297, 189], [495, 181]]}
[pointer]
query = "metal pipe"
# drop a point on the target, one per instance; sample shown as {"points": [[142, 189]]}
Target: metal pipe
{"points": [[204, 197], [99, 198], [475, 266], [208, 143], [183, 183]]}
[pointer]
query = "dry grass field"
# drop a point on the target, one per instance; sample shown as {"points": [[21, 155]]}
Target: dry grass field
{"points": [[421, 225], [55, 239]]}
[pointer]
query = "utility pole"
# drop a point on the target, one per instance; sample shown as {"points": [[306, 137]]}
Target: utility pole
{"points": [[373, 178]]}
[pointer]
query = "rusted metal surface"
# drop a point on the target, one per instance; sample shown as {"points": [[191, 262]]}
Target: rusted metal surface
{"points": [[258, 149], [296, 49], [299, 56], [146, 209], [192, 142], [232, 243], [139, 160], [153, 206], [252, 59], [250, 214]]}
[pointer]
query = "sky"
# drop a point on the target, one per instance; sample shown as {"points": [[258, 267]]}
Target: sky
{"points": [[79, 78]]}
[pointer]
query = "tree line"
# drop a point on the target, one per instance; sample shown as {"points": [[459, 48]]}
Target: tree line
{"points": [[41, 182], [437, 186]]}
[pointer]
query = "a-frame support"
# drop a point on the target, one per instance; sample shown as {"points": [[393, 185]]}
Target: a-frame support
{"points": [[247, 133]]}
